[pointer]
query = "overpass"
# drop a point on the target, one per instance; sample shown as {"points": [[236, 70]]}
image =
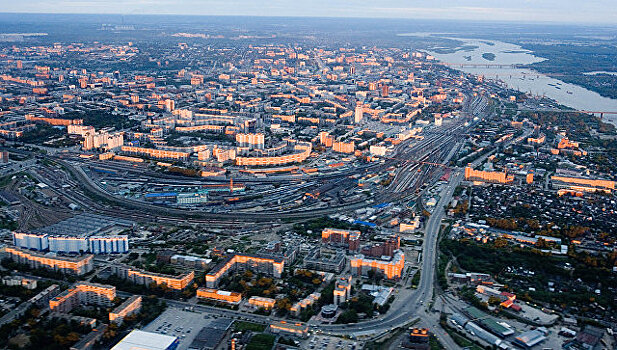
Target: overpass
{"points": [[554, 110], [483, 65]]}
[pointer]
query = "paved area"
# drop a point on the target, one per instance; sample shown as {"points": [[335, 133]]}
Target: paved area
{"points": [[534, 314], [179, 323], [322, 342]]}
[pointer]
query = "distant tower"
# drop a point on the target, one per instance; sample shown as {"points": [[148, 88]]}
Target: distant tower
{"points": [[359, 113], [385, 90]]}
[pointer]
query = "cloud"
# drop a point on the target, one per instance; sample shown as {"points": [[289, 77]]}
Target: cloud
{"points": [[502, 10]]}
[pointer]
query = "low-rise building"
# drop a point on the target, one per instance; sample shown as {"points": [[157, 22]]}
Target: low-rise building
{"points": [[304, 303], [283, 327], [261, 302], [138, 339], [219, 295], [19, 281]]}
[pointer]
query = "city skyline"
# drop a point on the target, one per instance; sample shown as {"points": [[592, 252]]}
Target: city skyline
{"points": [[316, 175], [483, 10]]}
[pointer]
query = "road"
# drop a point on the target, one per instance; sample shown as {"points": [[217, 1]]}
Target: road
{"points": [[417, 302]]}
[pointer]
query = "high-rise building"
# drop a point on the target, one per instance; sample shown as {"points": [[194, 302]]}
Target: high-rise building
{"points": [[72, 244], [252, 141], [342, 290], [385, 90], [359, 113]]}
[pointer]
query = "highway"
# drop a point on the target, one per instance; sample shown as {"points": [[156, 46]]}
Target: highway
{"points": [[419, 299]]}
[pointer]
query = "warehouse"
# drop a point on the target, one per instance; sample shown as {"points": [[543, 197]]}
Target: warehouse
{"points": [[146, 340]]}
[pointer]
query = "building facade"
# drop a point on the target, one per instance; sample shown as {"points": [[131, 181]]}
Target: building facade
{"points": [[79, 265], [146, 278], [129, 307], [240, 262], [391, 268], [83, 293]]}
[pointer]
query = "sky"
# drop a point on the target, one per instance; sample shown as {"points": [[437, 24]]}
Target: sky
{"points": [[563, 11]]}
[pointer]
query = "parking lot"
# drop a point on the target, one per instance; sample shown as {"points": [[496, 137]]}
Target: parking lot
{"points": [[320, 342], [179, 323]]}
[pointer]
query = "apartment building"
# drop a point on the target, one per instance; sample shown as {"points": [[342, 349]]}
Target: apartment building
{"points": [[83, 293], [78, 265], [240, 262], [129, 307]]}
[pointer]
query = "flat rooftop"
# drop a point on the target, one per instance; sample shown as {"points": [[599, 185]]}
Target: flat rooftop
{"points": [[145, 341], [85, 224]]}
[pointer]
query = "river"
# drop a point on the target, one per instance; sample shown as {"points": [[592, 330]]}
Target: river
{"points": [[525, 80]]}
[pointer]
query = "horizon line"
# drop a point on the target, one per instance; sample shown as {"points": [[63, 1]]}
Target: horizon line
{"points": [[504, 21]]}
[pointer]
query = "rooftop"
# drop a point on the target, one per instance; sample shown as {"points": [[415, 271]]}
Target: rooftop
{"points": [[140, 340]]}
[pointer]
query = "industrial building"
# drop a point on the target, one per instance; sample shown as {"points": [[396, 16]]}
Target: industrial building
{"points": [[529, 339], [212, 336], [89, 233], [501, 329], [147, 340]]}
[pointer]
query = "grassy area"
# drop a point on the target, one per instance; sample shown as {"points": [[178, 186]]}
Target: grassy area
{"points": [[415, 280], [434, 343], [241, 326], [464, 342], [261, 342]]}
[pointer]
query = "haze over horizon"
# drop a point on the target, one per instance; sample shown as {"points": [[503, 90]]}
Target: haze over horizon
{"points": [[560, 11]]}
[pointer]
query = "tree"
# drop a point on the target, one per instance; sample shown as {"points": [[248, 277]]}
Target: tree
{"points": [[501, 242], [493, 300], [349, 316]]}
